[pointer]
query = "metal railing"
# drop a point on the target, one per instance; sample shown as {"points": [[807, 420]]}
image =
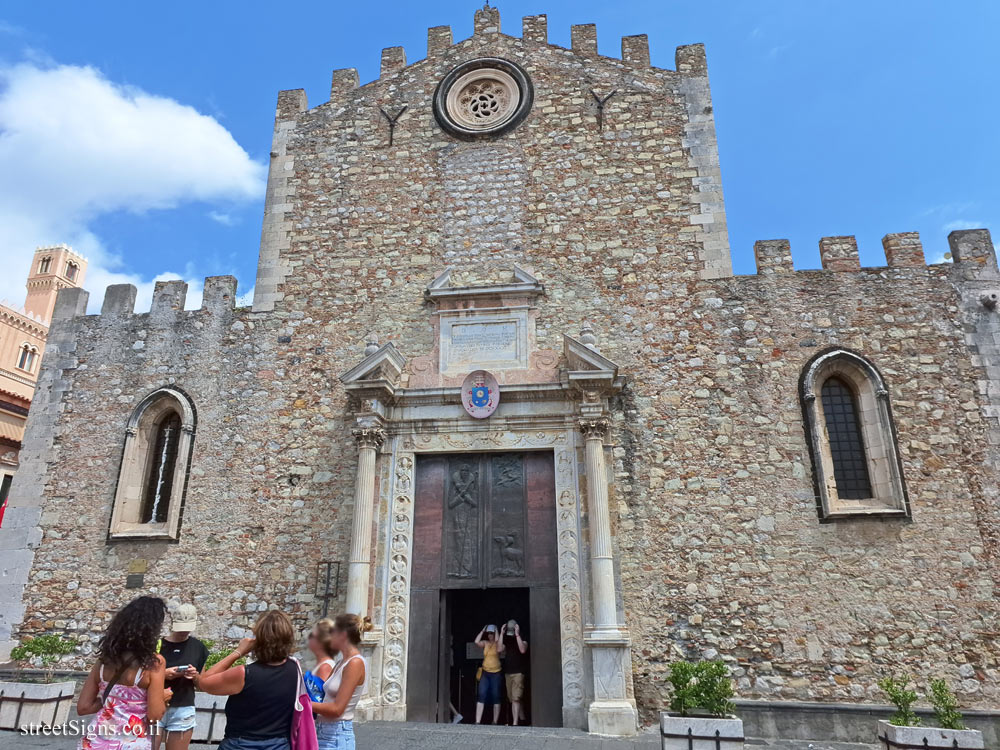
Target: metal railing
{"points": [[889, 744], [691, 737], [212, 712], [21, 700]]}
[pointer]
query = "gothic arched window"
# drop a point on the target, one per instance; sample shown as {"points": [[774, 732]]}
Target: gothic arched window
{"points": [[160, 471], [154, 470], [44, 264], [26, 357], [847, 444], [71, 270], [851, 437]]}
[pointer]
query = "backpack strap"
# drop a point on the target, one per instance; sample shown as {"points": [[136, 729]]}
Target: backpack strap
{"points": [[111, 683]]}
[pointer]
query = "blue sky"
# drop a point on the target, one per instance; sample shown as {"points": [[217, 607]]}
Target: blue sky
{"points": [[833, 117]]}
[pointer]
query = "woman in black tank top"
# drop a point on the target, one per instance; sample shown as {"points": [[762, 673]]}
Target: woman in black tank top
{"points": [[262, 695]]}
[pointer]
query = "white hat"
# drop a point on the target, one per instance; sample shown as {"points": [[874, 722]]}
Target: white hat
{"points": [[184, 619], [491, 628]]}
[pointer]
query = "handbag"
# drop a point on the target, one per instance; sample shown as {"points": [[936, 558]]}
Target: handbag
{"points": [[303, 726]]}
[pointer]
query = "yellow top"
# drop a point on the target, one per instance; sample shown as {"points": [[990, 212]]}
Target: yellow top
{"points": [[491, 659]]}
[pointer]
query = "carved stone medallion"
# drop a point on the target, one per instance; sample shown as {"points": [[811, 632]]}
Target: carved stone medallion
{"points": [[484, 97]]}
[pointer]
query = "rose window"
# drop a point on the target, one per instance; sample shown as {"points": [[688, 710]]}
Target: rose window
{"points": [[482, 97]]}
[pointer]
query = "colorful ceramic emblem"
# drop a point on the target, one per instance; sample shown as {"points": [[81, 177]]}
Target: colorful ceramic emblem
{"points": [[480, 394]]}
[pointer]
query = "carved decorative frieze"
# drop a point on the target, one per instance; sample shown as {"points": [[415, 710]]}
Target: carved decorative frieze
{"points": [[397, 608]]}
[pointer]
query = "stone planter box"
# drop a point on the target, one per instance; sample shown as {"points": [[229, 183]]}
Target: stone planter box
{"points": [[35, 703], [700, 732], [210, 714], [902, 738]]}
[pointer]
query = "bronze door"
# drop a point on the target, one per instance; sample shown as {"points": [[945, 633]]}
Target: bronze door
{"points": [[483, 521]]}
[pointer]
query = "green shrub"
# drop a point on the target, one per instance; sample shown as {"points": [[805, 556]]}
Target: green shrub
{"points": [[702, 686], [946, 713], [47, 648], [903, 699], [215, 655]]}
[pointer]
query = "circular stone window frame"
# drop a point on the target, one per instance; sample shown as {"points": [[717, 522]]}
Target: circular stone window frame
{"points": [[507, 72]]}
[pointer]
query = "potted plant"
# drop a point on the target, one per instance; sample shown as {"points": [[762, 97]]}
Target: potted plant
{"points": [[904, 730], [42, 702], [212, 708], [701, 714]]}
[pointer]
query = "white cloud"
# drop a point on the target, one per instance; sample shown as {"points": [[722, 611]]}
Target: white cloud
{"points": [[951, 226], [227, 220], [74, 146]]}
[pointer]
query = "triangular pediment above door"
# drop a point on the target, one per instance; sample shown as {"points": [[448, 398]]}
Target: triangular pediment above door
{"points": [[385, 365]]}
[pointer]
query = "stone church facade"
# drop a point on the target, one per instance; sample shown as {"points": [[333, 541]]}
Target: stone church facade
{"points": [[794, 471]]}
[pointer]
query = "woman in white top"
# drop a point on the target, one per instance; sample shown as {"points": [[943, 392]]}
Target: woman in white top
{"points": [[345, 686], [319, 644]]}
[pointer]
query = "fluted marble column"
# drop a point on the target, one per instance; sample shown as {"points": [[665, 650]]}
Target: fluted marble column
{"points": [[611, 712], [602, 564], [360, 563]]}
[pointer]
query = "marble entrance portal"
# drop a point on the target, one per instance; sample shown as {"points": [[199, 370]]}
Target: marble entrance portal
{"points": [[552, 402]]}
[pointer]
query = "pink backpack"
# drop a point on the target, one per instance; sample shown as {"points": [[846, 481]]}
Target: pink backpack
{"points": [[303, 726]]}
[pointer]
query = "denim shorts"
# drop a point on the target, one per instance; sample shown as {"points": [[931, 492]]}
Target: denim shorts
{"points": [[238, 743], [489, 688], [177, 719], [335, 735]]}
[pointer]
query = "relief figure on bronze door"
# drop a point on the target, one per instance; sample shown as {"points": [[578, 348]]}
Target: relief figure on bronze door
{"points": [[463, 521], [507, 516]]}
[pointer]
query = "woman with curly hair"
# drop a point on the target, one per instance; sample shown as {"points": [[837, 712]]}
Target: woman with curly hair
{"points": [[125, 686], [262, 695]]}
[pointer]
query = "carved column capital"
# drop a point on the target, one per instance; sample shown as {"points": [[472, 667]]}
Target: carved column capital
{"points": [[594, 428], [369, 437]]}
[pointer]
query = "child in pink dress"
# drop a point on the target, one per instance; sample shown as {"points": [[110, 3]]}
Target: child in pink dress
{"points": [[125, 686]]}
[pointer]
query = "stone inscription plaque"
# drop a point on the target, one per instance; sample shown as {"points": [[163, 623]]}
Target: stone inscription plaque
{"points": [[473, 340], [490, 342]]}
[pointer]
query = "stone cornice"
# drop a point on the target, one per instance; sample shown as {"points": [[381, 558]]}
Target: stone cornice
{"points": [[522, 285], [23, 322]]}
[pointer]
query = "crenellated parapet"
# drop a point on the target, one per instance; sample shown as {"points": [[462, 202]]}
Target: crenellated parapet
{"points": [[972, 251], [689, 59], [169, 299]]}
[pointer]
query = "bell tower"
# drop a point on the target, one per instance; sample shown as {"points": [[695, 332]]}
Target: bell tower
{"points": [[53, 268]]}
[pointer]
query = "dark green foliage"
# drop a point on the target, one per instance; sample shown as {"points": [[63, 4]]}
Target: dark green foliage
{"points": [[946, 713], [48, 648], [700, 687], [903, 699], [215, 655]]}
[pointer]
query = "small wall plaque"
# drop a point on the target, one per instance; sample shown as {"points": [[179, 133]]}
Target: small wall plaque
{"points": [[134, 580]]}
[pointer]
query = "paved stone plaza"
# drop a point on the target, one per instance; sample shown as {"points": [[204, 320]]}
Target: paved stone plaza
{"points": [[515, 360], [412, 736]]}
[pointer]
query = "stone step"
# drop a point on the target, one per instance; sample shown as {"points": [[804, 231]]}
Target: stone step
{"points": [[415, 736]]}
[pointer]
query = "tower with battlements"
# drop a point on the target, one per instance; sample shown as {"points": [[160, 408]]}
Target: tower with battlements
{"points": [[22, 342], [498, 367]]}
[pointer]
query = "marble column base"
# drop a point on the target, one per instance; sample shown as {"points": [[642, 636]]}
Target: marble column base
{"points": [[370, 706], [613, 718]]}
